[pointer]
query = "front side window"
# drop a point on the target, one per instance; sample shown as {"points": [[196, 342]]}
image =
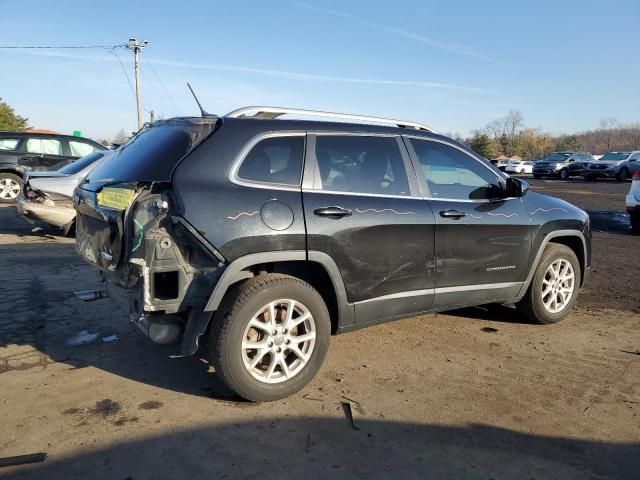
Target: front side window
{"points": [[361, 164], [276, 160], [80, 149], [9, 143], [44, 146], [451, 173]]}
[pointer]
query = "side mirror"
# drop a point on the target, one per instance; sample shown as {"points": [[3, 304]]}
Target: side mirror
{"points": [[516, 187]]}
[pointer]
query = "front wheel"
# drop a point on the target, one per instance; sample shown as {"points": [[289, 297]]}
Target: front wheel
{"points": [[10, 187], [270, 337], [554, 288], [564, 174], [622, 175], [537, 176]]}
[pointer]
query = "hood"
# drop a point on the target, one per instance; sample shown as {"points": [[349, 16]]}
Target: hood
{"points": [[608, 163]]}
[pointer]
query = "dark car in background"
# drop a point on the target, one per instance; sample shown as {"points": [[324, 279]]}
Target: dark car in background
{"points": [[562, 165], [29, 151], [272, 234]]}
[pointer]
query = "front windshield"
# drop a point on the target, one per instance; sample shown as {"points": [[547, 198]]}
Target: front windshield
{"points": [[557, 157], [616, 156], [81, 163]]}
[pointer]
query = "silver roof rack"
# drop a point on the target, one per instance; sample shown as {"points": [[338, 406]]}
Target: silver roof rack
{"points": [[275, 112]]}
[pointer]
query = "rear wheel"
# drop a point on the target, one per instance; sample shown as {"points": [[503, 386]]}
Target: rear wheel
{"points": [[10, 187], [564, 174], [270, 337], [537, 176], [554, 288]]}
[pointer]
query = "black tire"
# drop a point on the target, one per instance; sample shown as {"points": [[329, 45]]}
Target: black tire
{"points": [[564, 174], [531, 305], [635, 222], [622, 175], [522, 171], [231, 321], [537, 176], [12, 179]]}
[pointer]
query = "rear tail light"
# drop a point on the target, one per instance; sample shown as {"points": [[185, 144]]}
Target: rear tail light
{"points": [[636, 176]]}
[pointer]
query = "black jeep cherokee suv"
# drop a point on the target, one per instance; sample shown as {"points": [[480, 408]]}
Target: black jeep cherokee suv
{"points": [[273, 234]]}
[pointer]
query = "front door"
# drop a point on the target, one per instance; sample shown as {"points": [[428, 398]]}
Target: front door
{"points": [[483, 240], [365, 212]]}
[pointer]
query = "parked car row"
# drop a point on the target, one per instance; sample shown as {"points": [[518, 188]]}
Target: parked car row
{"points": [[615, 165]]}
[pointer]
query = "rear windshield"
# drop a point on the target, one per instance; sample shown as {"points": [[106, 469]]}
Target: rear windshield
{"points": [[152, 154], [81, 163], [616, 156]]}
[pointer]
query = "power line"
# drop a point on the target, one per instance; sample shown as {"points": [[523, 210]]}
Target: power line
{"points": [[162, 85], [61, 46], [124, 70]]}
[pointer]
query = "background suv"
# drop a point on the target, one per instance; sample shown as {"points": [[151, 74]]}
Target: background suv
{"points": [[562, 164], [618, 165], [22, 151], [272, 234]]}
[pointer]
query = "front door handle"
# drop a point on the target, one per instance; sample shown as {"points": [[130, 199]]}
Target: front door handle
{"points": [[332, 212], [452, 214]]}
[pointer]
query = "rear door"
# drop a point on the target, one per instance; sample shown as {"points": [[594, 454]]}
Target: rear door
{"points": [[482, 245], [44, 154], [363, 209]]}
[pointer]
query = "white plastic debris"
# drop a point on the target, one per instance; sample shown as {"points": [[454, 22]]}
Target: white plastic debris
{"points": [[82, 338], [110, 338]]}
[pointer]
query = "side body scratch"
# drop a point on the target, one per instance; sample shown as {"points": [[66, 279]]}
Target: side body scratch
{"points": [[384, 210], [548, 210], [248, 214], [503, 215]]}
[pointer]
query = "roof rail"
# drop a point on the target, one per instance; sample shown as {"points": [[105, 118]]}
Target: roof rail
{"points": [[275, 112]]}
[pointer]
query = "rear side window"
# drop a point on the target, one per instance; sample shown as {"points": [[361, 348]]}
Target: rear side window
{"points": [[275, 160], [80, 149], [361, 164], [9, 143], [44, 146]]}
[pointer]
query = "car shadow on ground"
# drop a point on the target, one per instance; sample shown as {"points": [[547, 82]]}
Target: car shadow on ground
{"points": [[492, 312], [316, 447]]}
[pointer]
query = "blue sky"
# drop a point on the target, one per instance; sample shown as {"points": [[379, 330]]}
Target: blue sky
{"points": [[454, 65]]}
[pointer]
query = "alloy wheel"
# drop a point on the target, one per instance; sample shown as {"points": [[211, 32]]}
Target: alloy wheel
{"points": [[278, 341], [9, 188], [558, 285]]}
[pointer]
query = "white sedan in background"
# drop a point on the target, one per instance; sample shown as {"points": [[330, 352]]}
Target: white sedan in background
{"points": [[516, 166]]}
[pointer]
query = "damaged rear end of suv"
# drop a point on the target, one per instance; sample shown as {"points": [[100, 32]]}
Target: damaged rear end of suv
{"points": [[152, 262]]}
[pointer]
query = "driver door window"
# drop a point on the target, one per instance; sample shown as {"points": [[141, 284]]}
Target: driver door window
{"points": [[452, 174]]}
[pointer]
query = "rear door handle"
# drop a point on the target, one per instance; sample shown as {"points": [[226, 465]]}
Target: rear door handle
{"points": [[332, 212], [452, 214]]}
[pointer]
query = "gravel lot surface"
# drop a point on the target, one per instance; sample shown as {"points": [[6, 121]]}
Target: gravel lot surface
{"points": [[467, 394]]}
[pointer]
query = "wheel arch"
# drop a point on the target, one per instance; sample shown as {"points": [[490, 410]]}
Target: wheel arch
{"points": [[574, 239], [316, 268]]}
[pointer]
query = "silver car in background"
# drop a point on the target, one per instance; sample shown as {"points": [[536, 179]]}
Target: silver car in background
{"points": [[48, 196], [618, 165]]}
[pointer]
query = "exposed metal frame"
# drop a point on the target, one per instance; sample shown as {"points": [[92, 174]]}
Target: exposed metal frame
{"points": [[275, 112]]}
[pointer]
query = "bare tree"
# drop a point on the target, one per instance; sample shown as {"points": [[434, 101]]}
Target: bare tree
{"points": [[609, 128]]}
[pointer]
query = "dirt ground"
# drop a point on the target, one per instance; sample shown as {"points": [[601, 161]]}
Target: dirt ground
{"points": [[466, 394]]}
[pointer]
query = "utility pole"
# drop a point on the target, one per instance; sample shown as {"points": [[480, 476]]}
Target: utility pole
{"points": [[136, 47]]}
